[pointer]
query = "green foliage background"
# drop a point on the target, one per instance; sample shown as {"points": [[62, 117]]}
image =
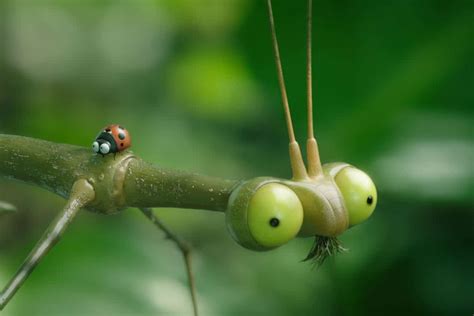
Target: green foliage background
{"points": [[195, 83]]}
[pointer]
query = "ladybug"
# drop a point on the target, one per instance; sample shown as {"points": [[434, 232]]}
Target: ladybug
{"points": [[112, 139]]}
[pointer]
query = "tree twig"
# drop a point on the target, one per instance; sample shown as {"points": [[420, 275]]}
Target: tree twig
{"points": [[81, 194], [183, 247], [122, 181]]}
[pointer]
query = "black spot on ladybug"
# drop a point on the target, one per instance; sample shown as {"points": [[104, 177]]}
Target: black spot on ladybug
{"points": [[121, 135], [121, 144]]}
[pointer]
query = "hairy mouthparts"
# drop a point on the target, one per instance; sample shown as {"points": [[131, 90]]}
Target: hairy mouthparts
{"points": [[323, 248]]}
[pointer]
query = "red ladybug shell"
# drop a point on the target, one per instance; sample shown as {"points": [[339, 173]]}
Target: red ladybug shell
{"points": [[121, 136]]}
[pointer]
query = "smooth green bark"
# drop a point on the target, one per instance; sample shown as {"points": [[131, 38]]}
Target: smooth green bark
{"points": [[120, 181], [149, 186]]}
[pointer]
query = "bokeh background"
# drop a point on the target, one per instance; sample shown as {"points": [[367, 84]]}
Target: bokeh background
{"points": [[195, 83]]}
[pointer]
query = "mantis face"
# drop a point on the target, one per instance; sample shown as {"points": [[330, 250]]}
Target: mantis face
{"points": [[265, 213], [320, 201], [343, 196]]}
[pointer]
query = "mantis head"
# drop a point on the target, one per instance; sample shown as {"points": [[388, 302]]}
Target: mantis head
{"points": [[320, 200], [265, 213]]}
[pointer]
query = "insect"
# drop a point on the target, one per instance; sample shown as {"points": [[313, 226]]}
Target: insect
{"points": [[112, 139], [321, 200], [263, 213]]}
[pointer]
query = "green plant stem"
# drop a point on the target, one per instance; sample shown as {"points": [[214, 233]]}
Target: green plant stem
{"points": [[149, 186], [183, 247], [81, 194], [120, 181]]}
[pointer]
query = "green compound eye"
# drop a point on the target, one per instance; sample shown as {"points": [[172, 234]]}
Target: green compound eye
{"points": [[359, 193], [263, 215], [275, 215]]}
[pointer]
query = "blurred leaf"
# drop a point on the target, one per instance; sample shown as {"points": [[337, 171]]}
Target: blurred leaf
{"points": [[214, 84], [419, 73]]}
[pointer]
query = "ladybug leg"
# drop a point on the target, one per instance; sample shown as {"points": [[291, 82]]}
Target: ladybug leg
{"points": [[182, 245], [115, 154]]}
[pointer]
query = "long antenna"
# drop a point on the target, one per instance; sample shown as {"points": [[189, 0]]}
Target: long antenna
{"points": [[314, 162], [296, 160], [309, 81]]}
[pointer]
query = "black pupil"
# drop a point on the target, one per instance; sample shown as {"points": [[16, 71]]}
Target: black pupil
{"points": [[370, 199], [274, 222]]}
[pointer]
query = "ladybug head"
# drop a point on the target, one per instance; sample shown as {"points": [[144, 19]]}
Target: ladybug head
{"points": [[104, 144]]}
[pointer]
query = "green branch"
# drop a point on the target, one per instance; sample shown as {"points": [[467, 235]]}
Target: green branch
{"points": [[103, 184], [120, 181], [81, 194]]}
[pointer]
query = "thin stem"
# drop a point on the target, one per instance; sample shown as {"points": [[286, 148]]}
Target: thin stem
{"points": [[281, 80], [81, 194], [309, 81], [312, 151], [296, 159], [183, 247]]}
